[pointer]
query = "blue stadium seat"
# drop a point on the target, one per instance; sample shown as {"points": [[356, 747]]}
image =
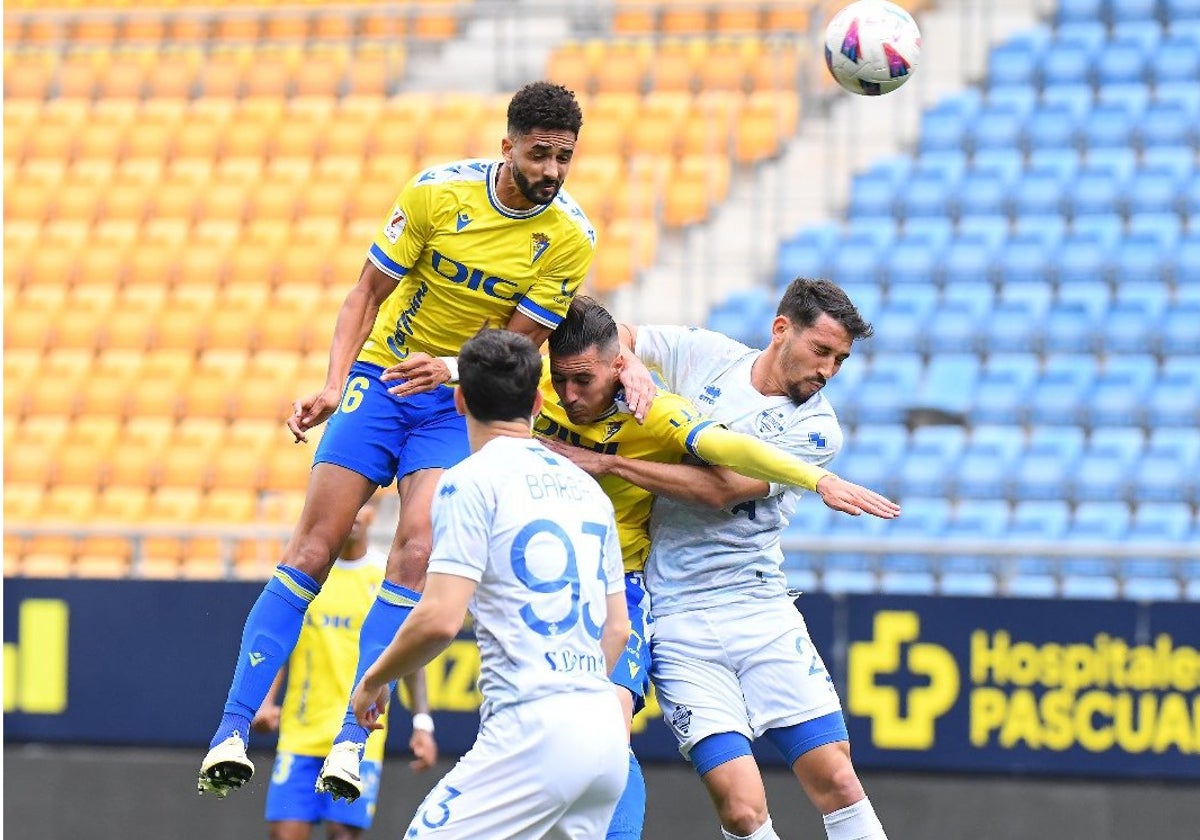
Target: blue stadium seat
{"points": [[806, 252], [1101, 474], [1174, 399], [1094, 576], [907, 573], [1060, 389], [867, 297], [1090, 34], [1133, 97], [1067, 328], [1090, 293], [1107, 126], [1165, 124], [1181, 10], [1012, 327], [1002, 389], [1153, 293], [1121, 11], [850, 263], [950, 376], [1151, 191], [1038, 191], [1013, 63], [1079, 11], [1181, 444], [1183, 66], [1146, 33], [745, 316], [1062, 162], [995, 127], [954, 328], [1005, 162], [1120, 63], [982, 195], [1148, 577], [872, 194], [973, 574], [943, 128], [1036, 295], [1043, 472], [1025, 257], [1178, 159], [1130, 326], [1052, 126], [1189, 201], [1065, 64], [1164, 225], [926, 193], [1179, 332], [1022, 98], [1094, 190], [1034, 575], [872, 460], [967, 262], [885, 392], [1085, 254], [984, 467], [1120, 161], [1127, 439], [1116, 398], [912, 259]]}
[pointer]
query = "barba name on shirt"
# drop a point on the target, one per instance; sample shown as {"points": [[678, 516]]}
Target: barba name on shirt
{"points": [[554, 485]]}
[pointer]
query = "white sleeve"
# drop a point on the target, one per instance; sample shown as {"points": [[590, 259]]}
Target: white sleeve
{"points": [[614, 567], [462, 521], [686, 356]]}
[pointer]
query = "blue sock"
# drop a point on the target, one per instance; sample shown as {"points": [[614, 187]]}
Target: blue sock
{"points": [[630, 815], [391, 607], [268, 638]]}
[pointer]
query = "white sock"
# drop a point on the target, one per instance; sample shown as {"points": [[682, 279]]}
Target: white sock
{"points": [[765, 832], [854, 822]]}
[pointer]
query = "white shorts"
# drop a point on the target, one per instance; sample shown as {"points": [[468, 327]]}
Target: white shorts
{"points": [[553, 767], [745, 667]]}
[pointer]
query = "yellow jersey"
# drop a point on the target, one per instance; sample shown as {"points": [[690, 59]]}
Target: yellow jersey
{"points": [[464, 260], [670, 431], [321, 667]]}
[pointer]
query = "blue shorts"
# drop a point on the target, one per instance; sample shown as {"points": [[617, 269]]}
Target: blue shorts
{"points": [[291, 796], [633, 668], [384, 437]]}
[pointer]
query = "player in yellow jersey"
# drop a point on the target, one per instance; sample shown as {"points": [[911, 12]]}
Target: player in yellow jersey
{"points": [[466, 244], [583, 407], [318, 677]]}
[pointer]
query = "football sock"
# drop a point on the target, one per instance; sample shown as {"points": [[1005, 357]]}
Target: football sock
{"points": [[391, 607], [268, 637], [854, 822], [630, 815], [766, 831]]}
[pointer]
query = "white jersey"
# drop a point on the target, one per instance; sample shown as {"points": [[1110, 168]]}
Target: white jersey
{"points": [[701, 557], [538, 535]]}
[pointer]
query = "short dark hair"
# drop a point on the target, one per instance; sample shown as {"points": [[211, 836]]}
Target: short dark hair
{"points": [[499, 372], [806, 300], [587, 324], [543, 105]]}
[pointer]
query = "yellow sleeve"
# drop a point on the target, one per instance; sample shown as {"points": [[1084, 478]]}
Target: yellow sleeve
{"points": [[755, 458], [407, 228], [547, 300]]}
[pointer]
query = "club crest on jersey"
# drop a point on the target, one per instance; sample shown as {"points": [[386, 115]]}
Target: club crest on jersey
{"points": [[681, 720], [396, 224], [770, 422], [612, 427], [538, 245]]}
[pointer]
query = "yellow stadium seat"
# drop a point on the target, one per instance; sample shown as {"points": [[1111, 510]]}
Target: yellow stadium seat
{"points": [[127, 202], [570, 65], [237, 28], [222, 74], [123, 79], [737, 17], [99, 433], [148, 140], [253, 437], [271, 76], [623, 68], [173, 506], [236, 469], [233, 330], [122, 503], [37, 564], [777, 68], [178, 329], [174, 79], [154, 397], [685, 18], [207, 396], [228, 506], [30, 465], [228, 363], [77, 79], [79, 465], [101, 566], [203, 559], [69, 503], [22, 502], [27, 201], [286, 469], [432, 25], [125, 330], [634, 17], [198, 140], [94, 31], [286, 27], [143, 30], [27, 80], [333, 26], [612, 269], [181, 466], [76, 203], [723, 68], [791, 16]]}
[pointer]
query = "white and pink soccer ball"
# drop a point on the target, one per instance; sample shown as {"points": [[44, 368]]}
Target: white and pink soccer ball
{"points": [[872, 47]]}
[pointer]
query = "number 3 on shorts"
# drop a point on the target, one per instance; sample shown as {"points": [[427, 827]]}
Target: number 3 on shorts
{"points": [[436, 814], [353, 396]]}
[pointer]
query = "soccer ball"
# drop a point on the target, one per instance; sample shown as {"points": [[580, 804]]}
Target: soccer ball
{"points": [[872, 47]]}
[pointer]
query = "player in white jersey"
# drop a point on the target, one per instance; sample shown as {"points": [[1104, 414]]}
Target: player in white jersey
{"points": [[528, 542], [732, 657]]}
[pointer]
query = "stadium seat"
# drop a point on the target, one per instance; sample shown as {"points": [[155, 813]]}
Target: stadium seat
{"points": [[972, 574], [1032, 575], [1013, 63], [1121, 62], [1149, 577], [1051, 127], [1088, 576], [907, 573], [1065, 64], [1044, 469], [986, 463], [1079, 11]]}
